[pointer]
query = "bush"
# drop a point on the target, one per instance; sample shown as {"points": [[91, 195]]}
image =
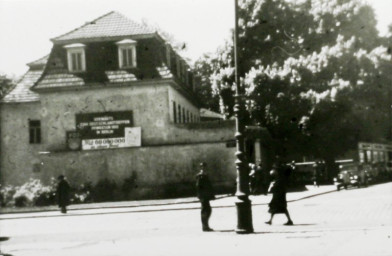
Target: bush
{"points": [[25, 194], [31, 193], [82, 194], [46, 195], [45, 198], [21, 201], [6, 195]]}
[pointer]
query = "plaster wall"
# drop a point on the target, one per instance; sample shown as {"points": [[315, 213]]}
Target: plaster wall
{"points": [[212, 131], [149, 104], [155, 167], [18, 156]]}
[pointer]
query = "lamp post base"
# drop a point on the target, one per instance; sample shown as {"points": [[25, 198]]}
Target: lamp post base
{"points": [[244, 216]]}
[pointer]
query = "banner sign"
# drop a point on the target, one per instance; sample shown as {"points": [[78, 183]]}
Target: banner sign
{"points": [[108, 130], [132, 138], [374, 146]]}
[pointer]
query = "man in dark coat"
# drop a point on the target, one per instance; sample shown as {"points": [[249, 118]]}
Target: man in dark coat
{"points": [[205, 193], [278, 189], [63, 193]]}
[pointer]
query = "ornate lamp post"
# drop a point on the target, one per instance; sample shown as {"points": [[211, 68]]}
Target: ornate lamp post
{"points": [[243, 204]]}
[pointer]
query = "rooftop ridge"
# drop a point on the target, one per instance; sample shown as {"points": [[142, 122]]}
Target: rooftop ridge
{"points": [[85, 24], [111, 24]]}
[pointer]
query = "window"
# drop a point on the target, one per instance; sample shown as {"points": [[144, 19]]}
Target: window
{"points": [[190, 80], [127, 53], [183, 115], [174, 112], [179, 68], [76, 57], [126, 57], [184, 73], [179, 113], [187, 117], [186, 77], [34, 131], [168, 56]]}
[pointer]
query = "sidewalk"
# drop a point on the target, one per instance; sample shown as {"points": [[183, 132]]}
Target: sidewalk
{"points": [[151, 205]]}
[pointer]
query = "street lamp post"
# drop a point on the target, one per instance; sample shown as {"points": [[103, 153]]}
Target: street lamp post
{"points": [[243, 204]]}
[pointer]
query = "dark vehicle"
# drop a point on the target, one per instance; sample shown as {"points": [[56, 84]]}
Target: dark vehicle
{"points": [[352, 175]]}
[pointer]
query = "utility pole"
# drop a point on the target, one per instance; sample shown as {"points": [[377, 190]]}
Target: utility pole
{"points": [[243, 204]]}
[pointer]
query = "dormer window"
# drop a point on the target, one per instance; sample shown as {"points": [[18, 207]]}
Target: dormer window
{"points": [[76, 57], [127, 53], [168, 56]]}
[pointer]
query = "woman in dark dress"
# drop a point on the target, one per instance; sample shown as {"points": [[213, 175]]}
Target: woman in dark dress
{"points": [[278, 203]]}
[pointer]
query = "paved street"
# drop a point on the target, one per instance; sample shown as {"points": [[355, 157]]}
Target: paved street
{"points": [[353, 222]]}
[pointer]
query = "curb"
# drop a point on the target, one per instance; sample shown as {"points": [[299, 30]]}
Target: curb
{"points": [[145, 210], [108, 207]]}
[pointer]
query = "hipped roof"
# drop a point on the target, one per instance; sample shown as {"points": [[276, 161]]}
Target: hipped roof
{"points": [[112, 24]]}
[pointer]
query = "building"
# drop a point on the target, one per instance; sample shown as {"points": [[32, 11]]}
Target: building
{"points": [[111, 100]]}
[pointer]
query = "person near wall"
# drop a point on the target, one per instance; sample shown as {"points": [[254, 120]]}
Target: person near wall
{"points": [[63, 189], [278, 189], [253, 179], [205, 193]]}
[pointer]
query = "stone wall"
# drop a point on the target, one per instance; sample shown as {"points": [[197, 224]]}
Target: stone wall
{"points": [[18, 156], [156, 168]]}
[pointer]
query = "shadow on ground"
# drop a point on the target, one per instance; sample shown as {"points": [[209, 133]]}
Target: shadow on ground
{"points": [[2, 239]]}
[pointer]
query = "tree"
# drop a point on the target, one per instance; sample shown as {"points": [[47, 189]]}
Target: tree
{"points": [[339, 96], [216, 74], [6, 84], [315, 74], [204, 68]]}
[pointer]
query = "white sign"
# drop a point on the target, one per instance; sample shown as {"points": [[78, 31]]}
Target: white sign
{"points": [[132, 138]]}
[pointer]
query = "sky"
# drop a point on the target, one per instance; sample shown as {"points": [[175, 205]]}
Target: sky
{"points": [[26, 26]]}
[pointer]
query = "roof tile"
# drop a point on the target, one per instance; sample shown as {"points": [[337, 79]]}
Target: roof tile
{"points": [[59, 80], [22, 92], [120, 76], [111, 24], [40, 63]]}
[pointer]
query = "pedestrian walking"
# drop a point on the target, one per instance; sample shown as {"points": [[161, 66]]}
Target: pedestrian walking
{"points": [[253, 179], [205, 193], [63, 193], [278, 189]]}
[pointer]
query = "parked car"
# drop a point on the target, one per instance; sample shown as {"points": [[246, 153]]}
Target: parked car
{"points": [[352, 175]]}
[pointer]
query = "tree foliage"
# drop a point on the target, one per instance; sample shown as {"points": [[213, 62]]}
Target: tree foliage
{"points": [[315, 74], [6, 84]]}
